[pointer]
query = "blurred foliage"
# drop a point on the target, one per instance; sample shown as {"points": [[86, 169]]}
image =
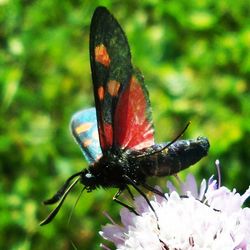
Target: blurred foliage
{"points": [[195, 56]]}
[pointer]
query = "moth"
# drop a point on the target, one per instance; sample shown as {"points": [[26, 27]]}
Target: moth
{"points": [[117, 135]]}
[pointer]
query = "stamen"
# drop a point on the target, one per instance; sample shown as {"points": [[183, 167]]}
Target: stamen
{"points": [[109, 217], [104, 247], [217, 164], [178, 179]]}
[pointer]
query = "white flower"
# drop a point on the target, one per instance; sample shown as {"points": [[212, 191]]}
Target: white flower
{"points": [[209, 218]]}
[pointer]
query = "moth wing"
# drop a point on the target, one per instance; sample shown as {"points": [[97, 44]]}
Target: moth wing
{"points": [[133, 124], [111, 69], [84, 129]]}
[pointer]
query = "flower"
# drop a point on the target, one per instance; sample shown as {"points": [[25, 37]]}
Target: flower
{"points": [[211, 217]]}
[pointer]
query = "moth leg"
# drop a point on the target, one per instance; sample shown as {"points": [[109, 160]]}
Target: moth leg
{"points": [[130, 193], [115, 198], [154, 190], [131, 182]]}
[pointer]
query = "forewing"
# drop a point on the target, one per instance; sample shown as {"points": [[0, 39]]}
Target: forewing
{"points": [[111, 70], [133, 125], [84, 129]]}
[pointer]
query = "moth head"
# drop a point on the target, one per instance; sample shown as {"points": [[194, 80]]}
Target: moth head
{"points": [[88, 180]]}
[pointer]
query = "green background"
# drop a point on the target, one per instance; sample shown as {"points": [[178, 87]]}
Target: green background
{"points": [[195, 56]]}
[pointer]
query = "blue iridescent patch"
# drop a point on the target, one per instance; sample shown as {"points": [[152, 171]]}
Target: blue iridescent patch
{"points": [[84, 129]]}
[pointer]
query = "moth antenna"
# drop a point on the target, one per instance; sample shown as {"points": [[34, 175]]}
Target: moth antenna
{"points": [[166, 146], [61, 191], [54, 212], [73, 208]]}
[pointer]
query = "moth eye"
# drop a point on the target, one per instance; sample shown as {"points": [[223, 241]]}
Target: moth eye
{"points": [[113, 87], [101, 55], [88, 175]]}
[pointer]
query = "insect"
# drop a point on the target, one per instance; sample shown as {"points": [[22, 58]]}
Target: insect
{"points": [[117, 135]]}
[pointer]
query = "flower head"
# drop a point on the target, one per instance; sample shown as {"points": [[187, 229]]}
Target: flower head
{"points": [[211, 217]]}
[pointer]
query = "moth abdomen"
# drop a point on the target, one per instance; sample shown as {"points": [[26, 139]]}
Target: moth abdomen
{"points": [[178, 156]]}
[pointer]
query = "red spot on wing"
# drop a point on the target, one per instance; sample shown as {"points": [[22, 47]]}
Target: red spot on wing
{"points": [[106, 136], [101, 55], [113, 87], [132, 126], [100, 93]]}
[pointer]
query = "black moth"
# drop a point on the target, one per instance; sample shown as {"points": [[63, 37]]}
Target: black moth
{"points": [[117, 136]]}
